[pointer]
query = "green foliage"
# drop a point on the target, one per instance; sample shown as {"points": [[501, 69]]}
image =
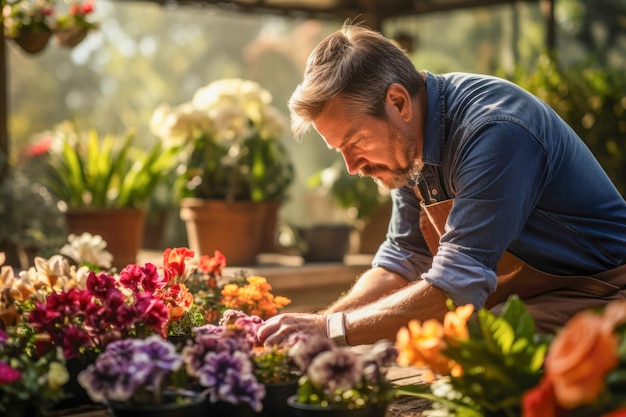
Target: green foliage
{"points": [[501, 359], [592, 101], [274, 365], [104, 172]]}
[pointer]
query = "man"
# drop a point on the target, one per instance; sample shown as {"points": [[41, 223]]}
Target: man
{"points": [[493, 194]]}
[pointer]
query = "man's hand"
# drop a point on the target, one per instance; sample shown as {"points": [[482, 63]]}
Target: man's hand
{"points": [[277, 329]]}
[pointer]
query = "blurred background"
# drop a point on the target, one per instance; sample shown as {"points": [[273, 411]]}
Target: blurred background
{"points": [[145, 54]]}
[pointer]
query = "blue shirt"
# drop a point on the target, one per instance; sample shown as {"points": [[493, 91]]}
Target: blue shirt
{"points": [[521, 180]]}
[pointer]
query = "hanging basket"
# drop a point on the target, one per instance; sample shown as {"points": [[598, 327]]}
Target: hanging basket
{"points": [[70, 37], [33, 42]]}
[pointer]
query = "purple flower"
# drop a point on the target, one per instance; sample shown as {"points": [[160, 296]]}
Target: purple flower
{"points": [[336, 369], [376, 361], [208, 329], [245, 388], [230, 378], [304, 349], [129, 365], [109, 379]]}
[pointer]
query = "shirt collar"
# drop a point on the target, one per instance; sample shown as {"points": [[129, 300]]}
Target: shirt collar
{"points": [[434, 130]]}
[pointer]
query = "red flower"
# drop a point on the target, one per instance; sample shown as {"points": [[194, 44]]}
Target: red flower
{"points": [[40, 148], [87, 7], [540, 400], [145, 278], [100, 285], [212, 265], [617, 413]]}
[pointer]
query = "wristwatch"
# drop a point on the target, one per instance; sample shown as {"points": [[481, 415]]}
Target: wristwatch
{"points": [[336, 328]]}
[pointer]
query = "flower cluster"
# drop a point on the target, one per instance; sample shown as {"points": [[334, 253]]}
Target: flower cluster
{"points": [[338, 376], [221, 362], [228, 135], [253, 298], [73, 306], [27, 16], [85, 320], [582, 373], [28, 379]]}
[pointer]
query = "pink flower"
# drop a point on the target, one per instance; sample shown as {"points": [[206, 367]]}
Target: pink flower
{"points": [[8, 375]]}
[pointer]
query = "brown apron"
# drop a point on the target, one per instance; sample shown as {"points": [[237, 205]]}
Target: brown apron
{"points": [[550, 299]]}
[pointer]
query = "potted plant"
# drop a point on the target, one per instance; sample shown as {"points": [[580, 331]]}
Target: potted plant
{"points": [[233, 168], [104, 183], [359, 197], [70, 29], [337, 381], [28, 22]]}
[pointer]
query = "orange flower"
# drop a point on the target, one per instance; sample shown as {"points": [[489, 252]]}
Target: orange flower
{"points": [[420, 345], [178, 300], [579, 359], [212, 265], [455, 322], [255, 298]]}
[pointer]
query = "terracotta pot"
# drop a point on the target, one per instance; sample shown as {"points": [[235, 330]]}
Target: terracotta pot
{"points": [[233, 228], [33, 42], [269, 230], [121, 228]]}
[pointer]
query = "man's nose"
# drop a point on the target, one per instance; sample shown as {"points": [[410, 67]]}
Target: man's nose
{"points": [[353, 164]]}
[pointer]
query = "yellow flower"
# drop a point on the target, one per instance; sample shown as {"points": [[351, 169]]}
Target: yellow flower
{"points": [[57, 375]]}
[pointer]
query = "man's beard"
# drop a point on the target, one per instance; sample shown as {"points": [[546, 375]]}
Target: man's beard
{"points": [[400, 176]]}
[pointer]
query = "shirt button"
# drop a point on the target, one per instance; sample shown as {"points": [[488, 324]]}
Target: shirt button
{"points": [[434, 191]]}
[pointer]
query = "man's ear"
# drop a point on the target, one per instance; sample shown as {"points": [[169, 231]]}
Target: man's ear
{"points": [[399, 98]]}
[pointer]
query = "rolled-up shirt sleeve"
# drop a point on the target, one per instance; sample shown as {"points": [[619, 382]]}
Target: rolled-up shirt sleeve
{"points": [[404, 250]]}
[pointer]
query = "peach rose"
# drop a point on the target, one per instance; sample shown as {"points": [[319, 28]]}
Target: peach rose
{"points": [[615, 313], [579, 359]]}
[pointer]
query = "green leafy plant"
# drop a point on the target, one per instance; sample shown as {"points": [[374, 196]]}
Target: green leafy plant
{"points": [[86, 170]]}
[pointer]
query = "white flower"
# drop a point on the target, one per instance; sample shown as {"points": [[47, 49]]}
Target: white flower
{"points": [[89, 249]]}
